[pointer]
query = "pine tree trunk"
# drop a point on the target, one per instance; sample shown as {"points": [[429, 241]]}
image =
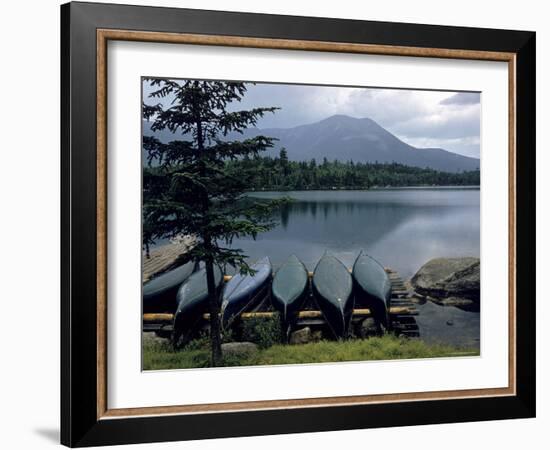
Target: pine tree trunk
{"points": [[213, 303], [214, 309]]}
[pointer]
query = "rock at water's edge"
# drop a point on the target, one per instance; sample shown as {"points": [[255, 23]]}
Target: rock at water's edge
{"points": [[446, 278]]}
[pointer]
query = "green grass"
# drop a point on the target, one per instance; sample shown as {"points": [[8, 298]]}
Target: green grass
{"points": [[159, 355]]}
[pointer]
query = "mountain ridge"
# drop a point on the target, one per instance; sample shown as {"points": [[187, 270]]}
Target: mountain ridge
{"points": [[347, 138]]}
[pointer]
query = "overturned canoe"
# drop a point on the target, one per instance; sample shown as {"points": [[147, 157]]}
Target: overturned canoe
{"points": [[159, 294], [245, 291], [333, 289], [372, 287], [192, 300], [289, 289]]}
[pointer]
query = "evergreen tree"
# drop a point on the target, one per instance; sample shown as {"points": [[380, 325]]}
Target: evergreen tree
{"points": [[192, 190], [283, 161]]}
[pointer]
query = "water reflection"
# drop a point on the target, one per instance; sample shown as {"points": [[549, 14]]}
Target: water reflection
{"points": [[402, 228]]}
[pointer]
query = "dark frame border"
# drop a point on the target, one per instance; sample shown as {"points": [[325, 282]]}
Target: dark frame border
{"points": [[80, 425]]}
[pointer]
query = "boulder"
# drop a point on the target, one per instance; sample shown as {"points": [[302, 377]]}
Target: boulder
{"points": [[239, 349], [301, 336], [449, 280], [369, 327]]}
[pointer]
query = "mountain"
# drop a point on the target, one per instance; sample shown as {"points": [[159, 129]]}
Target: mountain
{"points": [[346, 138]]}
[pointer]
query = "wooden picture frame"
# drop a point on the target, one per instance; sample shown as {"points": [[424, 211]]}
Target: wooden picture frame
{"points": [[85, 418]]}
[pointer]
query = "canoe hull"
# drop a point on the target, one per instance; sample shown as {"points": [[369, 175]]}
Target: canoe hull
{"points": [[244, 292], [333, 290], [289, 290], [372, 287], [337, 319], [192, 299], [159, 294]]}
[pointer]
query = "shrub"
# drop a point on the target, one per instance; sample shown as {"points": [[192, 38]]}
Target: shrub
{"points": [[201, 342], [263, 331]]}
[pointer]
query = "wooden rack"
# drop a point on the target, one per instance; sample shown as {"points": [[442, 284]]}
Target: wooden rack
{"points": [[402, 312]]}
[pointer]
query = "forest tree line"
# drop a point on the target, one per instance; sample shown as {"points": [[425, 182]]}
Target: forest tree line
{"points": [[280, 173]]}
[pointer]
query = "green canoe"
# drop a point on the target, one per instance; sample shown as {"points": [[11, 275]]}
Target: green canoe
{"points": [[159, 294], [192, 299], [289, 289], [333, 289], [372, 287]]}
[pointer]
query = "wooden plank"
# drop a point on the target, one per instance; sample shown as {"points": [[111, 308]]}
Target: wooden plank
{"points": [[310, 322], [402, 310], [314, 314], [158, 327], [161, 258], [158, 317], [394, 310], [409, 312]]}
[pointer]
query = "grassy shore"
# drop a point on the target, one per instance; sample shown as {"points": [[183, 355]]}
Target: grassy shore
{"points": [[159, 355]]}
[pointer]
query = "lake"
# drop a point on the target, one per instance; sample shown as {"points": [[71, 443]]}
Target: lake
{"points": [[402, 228]]}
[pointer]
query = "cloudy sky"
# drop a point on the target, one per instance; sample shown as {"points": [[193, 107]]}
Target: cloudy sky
{"points": [[448, 120]]}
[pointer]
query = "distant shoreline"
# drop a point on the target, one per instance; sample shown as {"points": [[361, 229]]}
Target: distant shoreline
{"points": [[373, 188]]}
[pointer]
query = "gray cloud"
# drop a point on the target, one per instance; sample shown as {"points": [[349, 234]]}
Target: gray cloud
{"points": [[420, 118], [462, 98]]}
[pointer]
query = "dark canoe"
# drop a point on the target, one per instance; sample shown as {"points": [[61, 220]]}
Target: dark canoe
{"points": [[372, 287], [192, 300], [243, 292], [159, 294], [289, 289], [333, 289]]}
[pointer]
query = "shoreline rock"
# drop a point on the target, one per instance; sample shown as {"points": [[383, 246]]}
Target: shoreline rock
{"points": [[450, 282]]}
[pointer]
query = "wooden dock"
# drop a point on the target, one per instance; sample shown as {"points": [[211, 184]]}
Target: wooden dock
{"points": [[164, 257], [402, 312], [402, 323]]}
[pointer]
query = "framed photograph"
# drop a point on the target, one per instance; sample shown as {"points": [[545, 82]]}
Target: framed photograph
{"points": [[277, 224]]}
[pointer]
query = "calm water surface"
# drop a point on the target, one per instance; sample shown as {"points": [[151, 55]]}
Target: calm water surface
{"points": [[402, 228]]}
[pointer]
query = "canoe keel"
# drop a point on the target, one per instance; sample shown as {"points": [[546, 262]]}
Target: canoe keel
{"points": [[289, 290]]}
